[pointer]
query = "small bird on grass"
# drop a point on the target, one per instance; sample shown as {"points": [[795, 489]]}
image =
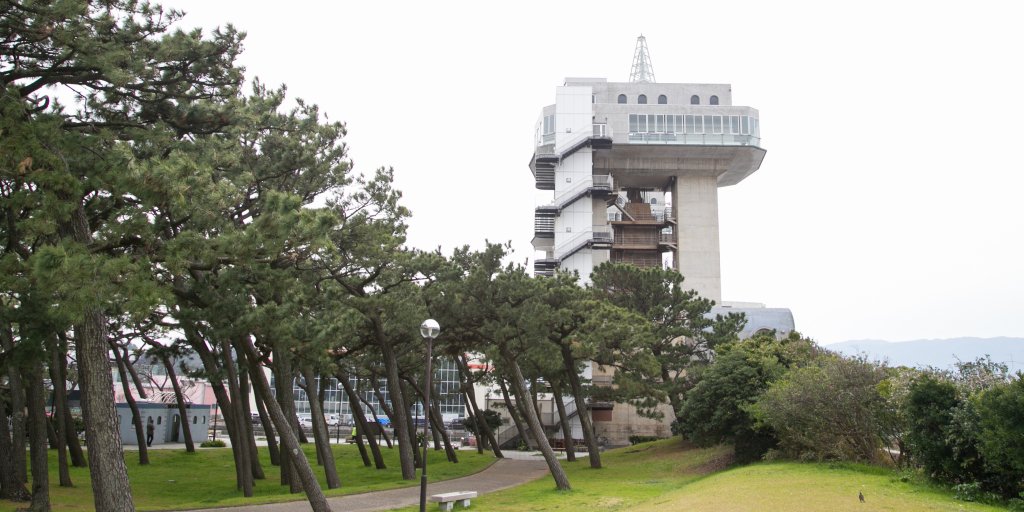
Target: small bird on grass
{"points": [[861, 496]]}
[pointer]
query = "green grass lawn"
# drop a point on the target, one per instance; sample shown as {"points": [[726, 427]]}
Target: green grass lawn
{"points": [[175, 479], [668, 475], [811, 487]]}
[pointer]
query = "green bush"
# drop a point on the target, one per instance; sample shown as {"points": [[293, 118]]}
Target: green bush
{"points": [[634, 440], [216, 443]]}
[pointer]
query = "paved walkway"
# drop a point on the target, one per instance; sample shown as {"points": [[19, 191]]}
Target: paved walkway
{"points": [[504, 473]]}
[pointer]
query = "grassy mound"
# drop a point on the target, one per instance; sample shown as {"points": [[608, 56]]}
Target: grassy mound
{"points": [[671, 475]]}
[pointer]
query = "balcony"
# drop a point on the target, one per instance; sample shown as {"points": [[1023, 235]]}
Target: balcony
{"points": [[649, 240], [545, 267], [543, 230], [668, 239], [638, 259]]}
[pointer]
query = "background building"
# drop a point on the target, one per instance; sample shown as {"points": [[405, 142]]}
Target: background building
{"points": [[635, 168]]}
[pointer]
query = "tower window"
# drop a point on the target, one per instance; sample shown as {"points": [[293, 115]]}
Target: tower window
{"points": [[642, 99], [694, 100], [714, 100], [622, 98], [662, 100]]}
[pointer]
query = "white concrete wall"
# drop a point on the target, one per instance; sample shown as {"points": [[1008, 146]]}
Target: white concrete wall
{"points": [[574, 113], [581, 262]]}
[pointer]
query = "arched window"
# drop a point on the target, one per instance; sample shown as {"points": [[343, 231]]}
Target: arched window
{"points": [[195, 420], [622, 98], [642, 99], [714, 100], [662, 100], [694, 100], [654, 200], [159, 419]]}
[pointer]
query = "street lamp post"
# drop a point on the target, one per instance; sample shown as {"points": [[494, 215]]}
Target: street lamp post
{"points": [[429, 329]]}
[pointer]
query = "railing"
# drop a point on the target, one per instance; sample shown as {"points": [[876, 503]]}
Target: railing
{"points": [[505, 435], [596, 234], [649, 261], [655, 216], [650, 239], [695, 139], [599, 130], [602, 181], [667, 238], [543, 224]]}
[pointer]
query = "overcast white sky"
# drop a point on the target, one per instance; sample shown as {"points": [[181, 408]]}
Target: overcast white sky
{"points": [[889, 203]]}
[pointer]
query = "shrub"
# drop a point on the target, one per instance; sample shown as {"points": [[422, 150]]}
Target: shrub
{"points": [[826, 411], [634, 440], [216, 443]]}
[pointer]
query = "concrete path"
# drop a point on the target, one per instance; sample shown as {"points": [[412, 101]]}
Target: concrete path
{"points": [[502, 474]]}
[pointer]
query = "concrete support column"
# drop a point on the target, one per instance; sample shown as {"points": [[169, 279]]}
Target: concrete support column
{"points": [[695, 202]]}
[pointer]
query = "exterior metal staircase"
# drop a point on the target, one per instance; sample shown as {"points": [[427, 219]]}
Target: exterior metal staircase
{"points": [[543, 163]]}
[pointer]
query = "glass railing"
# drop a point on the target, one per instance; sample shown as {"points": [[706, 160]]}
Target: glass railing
{"points": [[695, 139]]}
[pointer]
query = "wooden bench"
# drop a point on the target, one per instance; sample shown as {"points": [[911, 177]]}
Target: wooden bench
{"points": [[447, 500]]}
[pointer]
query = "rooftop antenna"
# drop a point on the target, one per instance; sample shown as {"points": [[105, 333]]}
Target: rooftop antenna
{"points": [[643, 69]]}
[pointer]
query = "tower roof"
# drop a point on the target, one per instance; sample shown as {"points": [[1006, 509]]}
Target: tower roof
{"points": [[643, 68]]}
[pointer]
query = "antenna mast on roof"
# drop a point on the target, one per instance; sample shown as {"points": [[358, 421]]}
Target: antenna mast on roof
{"points": [[643, 69]]}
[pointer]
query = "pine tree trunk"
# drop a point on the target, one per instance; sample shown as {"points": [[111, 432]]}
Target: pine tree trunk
{"points": [[179, 398], [478, 438], [51, 436], [239, 444], [438, 421], [18, 457], [358, 438], [283, 379], [399, 414], [111, 491], [410, 427], [360, 420], [586, 422], [521, 393], [213, 375], [440, 434], [140, 432], [10, 487], [246, 415], [376, 420], [268, 426], [286, 457], [471, 392], [314, 494], [321, 435], [38, 425], [513, 410], [71, 434], [60, 403], [563, 419]]}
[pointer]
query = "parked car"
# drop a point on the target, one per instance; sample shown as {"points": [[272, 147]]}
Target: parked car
{"points": [[333, 420], [305, 421]]}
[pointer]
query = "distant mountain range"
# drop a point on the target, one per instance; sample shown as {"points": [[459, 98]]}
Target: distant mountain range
{"points": [[937, 353]]}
